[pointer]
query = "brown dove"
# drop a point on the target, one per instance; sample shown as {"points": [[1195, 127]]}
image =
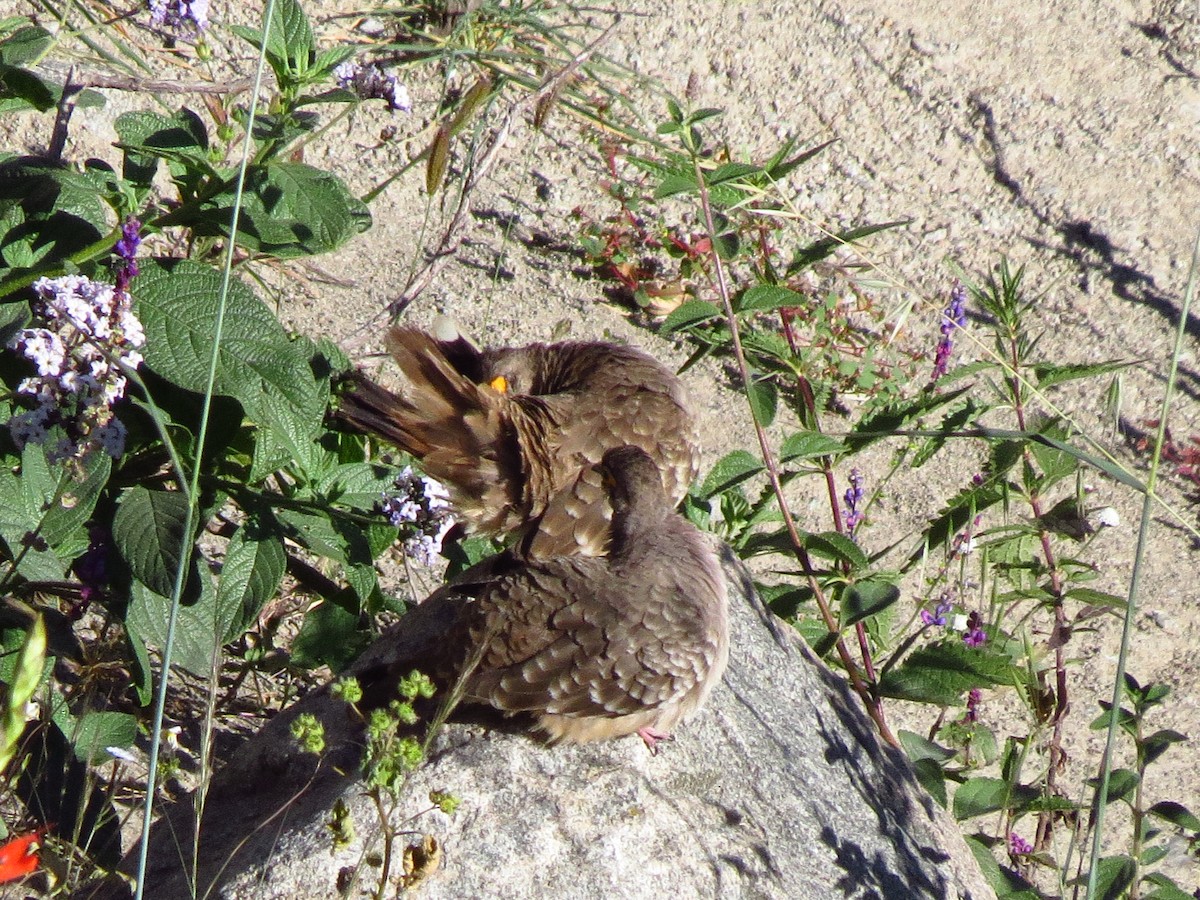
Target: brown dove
{"points": [[508, 428], [593, 647]]}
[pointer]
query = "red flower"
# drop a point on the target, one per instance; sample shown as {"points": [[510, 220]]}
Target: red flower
{"points": [[19, 856]]}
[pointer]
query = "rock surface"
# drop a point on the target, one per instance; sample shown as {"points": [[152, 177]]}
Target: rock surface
{"points": [[779, 788]]}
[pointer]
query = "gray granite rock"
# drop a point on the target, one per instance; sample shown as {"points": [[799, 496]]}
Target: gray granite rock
{"points": [[778, 789]]}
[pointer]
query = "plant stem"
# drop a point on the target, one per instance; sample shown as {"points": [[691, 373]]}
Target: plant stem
{"points": [[865, 691], [1135, 576]]}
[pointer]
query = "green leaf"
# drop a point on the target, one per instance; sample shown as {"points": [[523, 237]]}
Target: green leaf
{"points": [[1114, 874], [62, 211], [931, 777], [886, 421], [837, 547], [181, 138], [329, 636], [315, 533], [942, 673], [1048, 374], [13, 316], [729, 471], [1165, 888], [1007, 883], [731, 172], [953, 421], [148, 530], [769, 297], [254, 564], [197, 628], [1177, 814], [68, 517], [25, 46], [688, 314], [93, 732], [1092, 597], [809, 445], [358, 485], [23, 89], [1121, 784], [763, 397], [1160, 742], [290, 44], [31, 502], [289, 210], [917, 747], [17, 688], [674, 184], [177, 303], [1126, 719], [863, 599], [980, 796], [819, 250], [1056, 460]]}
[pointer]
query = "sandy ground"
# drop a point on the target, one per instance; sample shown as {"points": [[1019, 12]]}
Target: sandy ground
{"points": [[1058, 133]]}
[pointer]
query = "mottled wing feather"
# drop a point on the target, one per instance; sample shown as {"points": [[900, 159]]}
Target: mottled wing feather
{"points": [[565, 645]]}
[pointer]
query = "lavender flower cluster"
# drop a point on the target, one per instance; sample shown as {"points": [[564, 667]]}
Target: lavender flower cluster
{"points": [[180, 15], [90, 332], [422, 503], [370, 82]]}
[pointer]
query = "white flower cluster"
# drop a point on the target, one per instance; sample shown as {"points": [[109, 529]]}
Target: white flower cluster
{"points": [[371, 82], [90, 328], [423, 504], [187, 15]]}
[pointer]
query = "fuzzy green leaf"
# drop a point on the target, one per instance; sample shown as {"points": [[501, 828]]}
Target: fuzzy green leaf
{"points": [[197, 629], [763, 397], [93, 732], [148, 530], [808, 445], [254, 566], [769, 297], [690, 313], [980, 796], [864, 599], [329, 636], [729, 471], [942, 673]]}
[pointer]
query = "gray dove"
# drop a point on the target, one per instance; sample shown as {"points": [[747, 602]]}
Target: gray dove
{"points": [[594, 647]]}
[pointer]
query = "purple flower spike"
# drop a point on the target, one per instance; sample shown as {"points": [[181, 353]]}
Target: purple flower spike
{"points": [[973, 698], [854, 496], [126, 268], [953, 317]]}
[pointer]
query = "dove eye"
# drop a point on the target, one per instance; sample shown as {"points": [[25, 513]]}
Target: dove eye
{"points": [[499, 384]]}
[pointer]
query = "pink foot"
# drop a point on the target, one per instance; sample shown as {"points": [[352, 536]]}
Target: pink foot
{"points": [[652, 737]]}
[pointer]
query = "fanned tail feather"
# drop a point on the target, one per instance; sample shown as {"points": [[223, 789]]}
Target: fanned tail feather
{"points": [[455, 427]]}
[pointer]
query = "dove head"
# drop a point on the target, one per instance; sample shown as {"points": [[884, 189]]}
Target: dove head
{"points": [[518, 368], [635, 491]]}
